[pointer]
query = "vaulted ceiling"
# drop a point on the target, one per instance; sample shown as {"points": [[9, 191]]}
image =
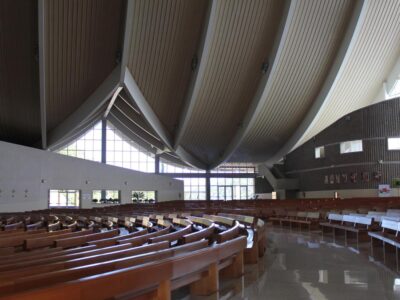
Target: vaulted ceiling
{"points": [[197, 81]]}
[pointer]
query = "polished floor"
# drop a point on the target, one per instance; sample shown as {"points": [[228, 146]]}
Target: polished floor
{"points": [[301, 266]]}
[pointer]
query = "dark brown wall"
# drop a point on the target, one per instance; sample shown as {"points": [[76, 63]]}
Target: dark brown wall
{"points": [[373, 124]]}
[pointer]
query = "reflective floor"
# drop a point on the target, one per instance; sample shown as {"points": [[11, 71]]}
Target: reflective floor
{"points": [[302, 266]]}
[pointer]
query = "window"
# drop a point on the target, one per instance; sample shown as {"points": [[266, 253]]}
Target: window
{"points": [[167, 167], [106, 196], [144, 196], [225, 188], [235, 168], [88, 146], [395, 91], [351, 146], [320, 152], [394, 143], [64, 198], [125, 153], [194, 188]]}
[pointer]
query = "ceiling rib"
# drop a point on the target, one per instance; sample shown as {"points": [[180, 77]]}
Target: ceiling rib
{"points": [[137, 137], [194, 89], [357, 16], [257, 102], [132, 114], [88, 108], [135, 93], [127, 37], [42, 68], [112, 101], [136, 129]]}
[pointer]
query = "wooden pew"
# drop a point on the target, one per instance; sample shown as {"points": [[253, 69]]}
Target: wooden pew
{"points": [[205, 233], [156, 279], [309, 219], [114, 240], [329, 227], [173, 236], [386, 243], [77, 260], [34, 226], [40, 242], [18, 240], [140, 240], [13, 226], [43, 253], [350, 226], [81, 240], [143, 254], [228, 234]]}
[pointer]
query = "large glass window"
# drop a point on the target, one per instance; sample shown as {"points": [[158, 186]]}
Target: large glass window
{"points": [[106, 196], [320, 152], [143, 196], [64, 198], [235, 168], [167, 167], [394, 143], [194, 188], [351, 146], [226, 188], [123, 152], [88, 146], [395, 91]]}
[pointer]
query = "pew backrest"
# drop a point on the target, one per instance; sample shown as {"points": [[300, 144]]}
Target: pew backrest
{"points": [[391, 225], [335, 217]]}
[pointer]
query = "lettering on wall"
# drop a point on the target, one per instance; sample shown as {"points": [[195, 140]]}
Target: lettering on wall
{"points": [[344, 177], [365, 176]]}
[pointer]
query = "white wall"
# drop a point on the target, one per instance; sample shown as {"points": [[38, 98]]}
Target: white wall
{"points": [[27, 175]]}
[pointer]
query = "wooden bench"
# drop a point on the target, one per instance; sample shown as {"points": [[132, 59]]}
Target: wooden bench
{"points": [[114, 240], [308, 219], [54, 226], [155, 279], [47, 241], [18, 240], [205, 233], [98, 265], [70, 269], [34, 226], [13, 226], [173, 236], [82, 240], [43, 253], [229, 234], [348, 227], [386, 243], [140, 240]]}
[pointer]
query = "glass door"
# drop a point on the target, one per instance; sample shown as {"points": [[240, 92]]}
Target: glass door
{"points": [[243, 192], [228, 192], [221, 192]]}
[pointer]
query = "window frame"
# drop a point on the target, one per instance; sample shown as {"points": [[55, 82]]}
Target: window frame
{"points": [[341, 145], [388, 143], [321, 153]]}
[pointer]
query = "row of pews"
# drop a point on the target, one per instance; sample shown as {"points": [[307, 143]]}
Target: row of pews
{"points": [[126, 254], [263, 209], [378, 230]]}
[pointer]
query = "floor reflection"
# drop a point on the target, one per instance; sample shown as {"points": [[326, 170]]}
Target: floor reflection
{"points": [[300, 266]]}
